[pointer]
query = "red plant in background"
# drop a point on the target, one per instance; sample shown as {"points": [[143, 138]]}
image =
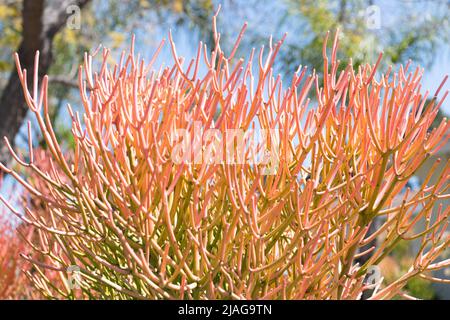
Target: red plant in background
{"points": [[8, 265], [13, 282], [138, 224]]}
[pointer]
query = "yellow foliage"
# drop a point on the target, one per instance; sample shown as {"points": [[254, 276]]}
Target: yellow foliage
{"points": [[117, 39], [6, 12]]}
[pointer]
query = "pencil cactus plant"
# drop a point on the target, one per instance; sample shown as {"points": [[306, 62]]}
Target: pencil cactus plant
{"points": [[145, 207]]}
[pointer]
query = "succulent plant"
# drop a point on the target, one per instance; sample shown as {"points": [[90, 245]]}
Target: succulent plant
{"points": [[140, 222]]}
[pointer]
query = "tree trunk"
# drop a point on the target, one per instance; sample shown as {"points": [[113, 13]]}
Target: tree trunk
{"points": [[40, 25]]}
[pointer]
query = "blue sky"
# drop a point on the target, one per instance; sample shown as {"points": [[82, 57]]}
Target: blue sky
{"points": [[441, 67]]}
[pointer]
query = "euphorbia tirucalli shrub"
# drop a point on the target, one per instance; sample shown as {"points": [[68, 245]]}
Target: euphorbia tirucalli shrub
{"points": [[13, 282], [139, 225]]}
